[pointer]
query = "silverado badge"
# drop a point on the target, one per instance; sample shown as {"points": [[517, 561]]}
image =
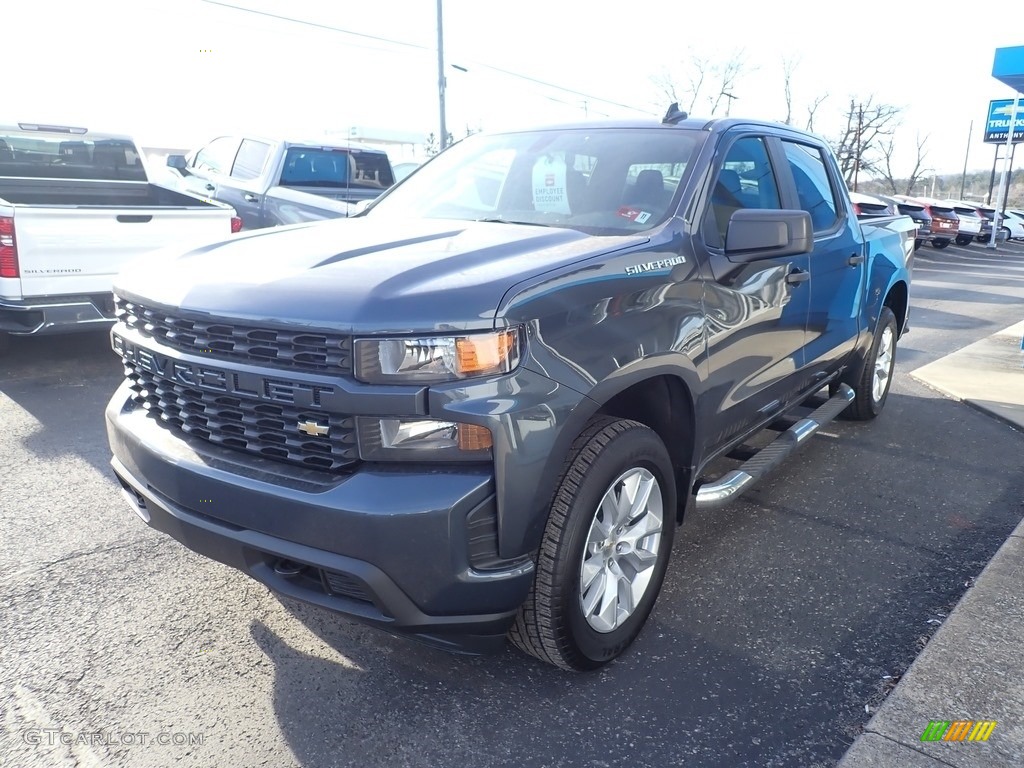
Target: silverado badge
{"points": [[314, 428]]}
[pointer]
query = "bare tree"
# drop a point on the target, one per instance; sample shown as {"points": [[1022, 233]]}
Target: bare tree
{"points": [[789, 64], [858, 147], [812, 109], [919, 167], [908, 183], [706, 82]]}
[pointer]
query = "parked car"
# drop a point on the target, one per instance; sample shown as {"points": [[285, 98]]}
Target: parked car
{"points": [[75, 207], [945, 224], [1013, 224], [973, 225], [996, 221], [472, 413], [915, 211], [271, 182], [401, 170], [866, 206]]}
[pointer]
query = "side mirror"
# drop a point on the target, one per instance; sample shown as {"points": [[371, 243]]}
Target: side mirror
{"points": [[757, 233], [177, 162]]}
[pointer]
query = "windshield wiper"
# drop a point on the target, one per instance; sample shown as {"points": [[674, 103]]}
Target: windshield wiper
{"points": [[499, 220]]}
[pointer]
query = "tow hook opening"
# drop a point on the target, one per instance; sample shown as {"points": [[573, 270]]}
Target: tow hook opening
{"points": [[288, 568]]}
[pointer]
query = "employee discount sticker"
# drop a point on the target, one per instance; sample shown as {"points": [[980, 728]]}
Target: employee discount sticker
{"points": [[549, 193]]}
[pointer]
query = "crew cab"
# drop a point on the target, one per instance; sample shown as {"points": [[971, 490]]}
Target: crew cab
{"points": [[479, 409], [273, 182], [75, 207]]}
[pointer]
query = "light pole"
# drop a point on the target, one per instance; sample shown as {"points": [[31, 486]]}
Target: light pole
{"points": [[443, 140]]}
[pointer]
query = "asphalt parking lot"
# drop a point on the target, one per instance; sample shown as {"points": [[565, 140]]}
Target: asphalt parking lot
{"points": [[784, 621]]}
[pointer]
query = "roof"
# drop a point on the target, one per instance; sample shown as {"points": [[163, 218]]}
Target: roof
{"points": [[62, 131], [712, 125]]}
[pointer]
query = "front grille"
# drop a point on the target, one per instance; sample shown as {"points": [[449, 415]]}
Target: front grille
{"points": [[296, 350], [345, 585], [265, 429]]}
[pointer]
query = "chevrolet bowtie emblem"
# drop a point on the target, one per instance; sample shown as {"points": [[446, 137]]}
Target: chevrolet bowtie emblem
{"points": [[314, 429]]}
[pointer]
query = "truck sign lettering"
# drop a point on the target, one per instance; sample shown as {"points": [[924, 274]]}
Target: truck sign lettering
{"points": [[652, 266]]}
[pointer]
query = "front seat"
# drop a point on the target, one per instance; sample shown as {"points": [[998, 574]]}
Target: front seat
{"points": [[649, 189]]}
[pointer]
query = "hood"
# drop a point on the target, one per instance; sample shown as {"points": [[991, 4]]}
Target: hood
{"points": [[362, 275]]}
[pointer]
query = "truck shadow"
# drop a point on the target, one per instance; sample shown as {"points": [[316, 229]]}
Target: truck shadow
{"points": [[782, 618], [62, 383]]}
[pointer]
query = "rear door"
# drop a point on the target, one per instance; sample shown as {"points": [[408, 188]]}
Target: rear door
{"points": [[837, 264], [243, 187], [756, 311]]}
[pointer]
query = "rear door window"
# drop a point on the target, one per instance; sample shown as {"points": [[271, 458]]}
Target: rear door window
{"points": [[252, 156], [813, 188]]}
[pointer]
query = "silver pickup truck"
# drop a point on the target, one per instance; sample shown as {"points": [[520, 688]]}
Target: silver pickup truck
{"points": [[272, 182], [76, 206]]}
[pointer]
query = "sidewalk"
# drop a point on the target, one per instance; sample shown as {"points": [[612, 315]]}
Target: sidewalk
{"points": [[973, 668]]}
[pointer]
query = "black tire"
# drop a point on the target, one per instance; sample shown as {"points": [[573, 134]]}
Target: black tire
{"points": [[551, 624], [866, 404], [940, 244], [964, 239], [917, 243]]}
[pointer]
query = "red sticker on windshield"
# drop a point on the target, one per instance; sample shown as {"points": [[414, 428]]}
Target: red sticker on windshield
{"points": [[634, 214]]}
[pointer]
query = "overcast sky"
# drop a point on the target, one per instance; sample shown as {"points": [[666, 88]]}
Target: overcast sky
{"points": [[178, 72]]}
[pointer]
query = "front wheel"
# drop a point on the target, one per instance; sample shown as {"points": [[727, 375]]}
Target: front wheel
{"points": [[873, 388], [605, 548]]}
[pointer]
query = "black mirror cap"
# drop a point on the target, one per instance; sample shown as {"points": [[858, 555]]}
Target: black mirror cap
{"points": [[177, 162], [760, 233]]}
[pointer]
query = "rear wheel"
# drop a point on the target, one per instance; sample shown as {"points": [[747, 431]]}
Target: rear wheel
{"points": [[963, 239], [605, 548], [940, 243], [873, 388]]}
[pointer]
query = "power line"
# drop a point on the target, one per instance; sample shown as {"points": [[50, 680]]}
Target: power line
{"points": [[416, 46]]}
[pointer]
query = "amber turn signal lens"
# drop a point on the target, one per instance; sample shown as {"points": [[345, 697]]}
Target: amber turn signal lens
{"points": [[474, 438], [495, 353]]}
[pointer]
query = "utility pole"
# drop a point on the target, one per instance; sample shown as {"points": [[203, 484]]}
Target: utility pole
{"points": [[443, 141], [963, 178]]}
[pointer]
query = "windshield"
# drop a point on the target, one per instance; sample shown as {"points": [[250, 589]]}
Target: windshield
{"points": [[606, 181]]}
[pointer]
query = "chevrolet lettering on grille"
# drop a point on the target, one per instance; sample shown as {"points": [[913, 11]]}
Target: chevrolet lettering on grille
{"points": [[218, 380]]}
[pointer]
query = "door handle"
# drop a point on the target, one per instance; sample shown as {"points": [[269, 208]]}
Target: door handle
{"points": [[249, 197], [857, 258], [210, 187], [798, 276]]}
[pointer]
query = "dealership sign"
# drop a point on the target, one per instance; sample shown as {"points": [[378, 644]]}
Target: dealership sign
{"points": [[1000, 112]]}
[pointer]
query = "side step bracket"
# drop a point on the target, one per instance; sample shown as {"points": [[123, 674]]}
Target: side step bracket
{"points": [[733, 484]]}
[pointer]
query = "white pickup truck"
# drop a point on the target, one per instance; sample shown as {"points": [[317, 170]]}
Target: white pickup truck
{"points": [[75, 208]]}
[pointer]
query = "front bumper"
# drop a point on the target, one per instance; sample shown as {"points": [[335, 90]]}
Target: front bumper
{"points": [[56, 314], [388, 545]]}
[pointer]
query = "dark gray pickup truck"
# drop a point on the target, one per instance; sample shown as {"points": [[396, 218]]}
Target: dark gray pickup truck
{"points": [[480, 408], [272, 182]]}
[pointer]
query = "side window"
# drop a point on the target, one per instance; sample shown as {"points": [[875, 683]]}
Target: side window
{"points": [[250, 160], [813, 189], [217, 156], [745, 180]]}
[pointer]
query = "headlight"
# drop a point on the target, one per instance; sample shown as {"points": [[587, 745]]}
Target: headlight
{"points": [[391, 439], [435, 359]]}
